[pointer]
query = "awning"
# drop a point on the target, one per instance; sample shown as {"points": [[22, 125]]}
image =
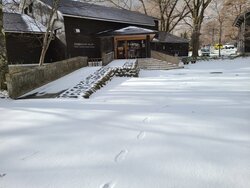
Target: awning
{"points": [[131, 30]]}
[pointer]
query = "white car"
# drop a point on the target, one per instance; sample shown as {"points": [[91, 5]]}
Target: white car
{"points": [[229, 46]]}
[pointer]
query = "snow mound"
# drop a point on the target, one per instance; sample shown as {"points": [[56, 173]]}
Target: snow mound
{"points": [[4, 94]]}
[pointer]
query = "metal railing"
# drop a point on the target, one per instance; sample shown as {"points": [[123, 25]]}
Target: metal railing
{"points": [[95, 62]]}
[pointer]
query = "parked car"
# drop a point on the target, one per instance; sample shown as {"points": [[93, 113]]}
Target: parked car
{"points": [[205, 51], [229, 46]]}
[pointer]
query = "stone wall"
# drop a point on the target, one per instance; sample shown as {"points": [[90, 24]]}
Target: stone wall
{"points": [[165, 57], [107, 58], [24, 79]]}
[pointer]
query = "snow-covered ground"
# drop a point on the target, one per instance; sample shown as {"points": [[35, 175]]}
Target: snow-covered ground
{"points": [[173, 129]]}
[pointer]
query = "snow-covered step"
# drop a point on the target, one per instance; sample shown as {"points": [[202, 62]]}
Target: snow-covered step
{"points": [[155, 64]]}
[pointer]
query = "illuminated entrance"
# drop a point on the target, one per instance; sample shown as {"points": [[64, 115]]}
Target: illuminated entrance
{"points": [[131, 42], [130, 47]]}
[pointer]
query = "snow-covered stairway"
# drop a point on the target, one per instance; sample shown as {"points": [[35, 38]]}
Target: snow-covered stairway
{"points": [[97, 80], [155, 64]]}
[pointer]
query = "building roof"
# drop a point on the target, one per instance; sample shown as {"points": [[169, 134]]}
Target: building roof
{"points": [[21, 23], [131, 30], [164, 37], [98, 12], [240, 19]]}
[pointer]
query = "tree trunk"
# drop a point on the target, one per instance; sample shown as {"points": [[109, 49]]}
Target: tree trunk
{"points": [[3, 54], [197, 9], [144, 7], [49, 32], [220, 36], [195, 39], [195, 43], [46, 43]]}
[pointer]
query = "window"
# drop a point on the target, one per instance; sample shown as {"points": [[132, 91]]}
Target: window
{"points": [[31, 8], [77, 30], [26, 10]]}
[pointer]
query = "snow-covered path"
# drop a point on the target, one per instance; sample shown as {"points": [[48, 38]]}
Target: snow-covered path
{"points": [[180, 128]]}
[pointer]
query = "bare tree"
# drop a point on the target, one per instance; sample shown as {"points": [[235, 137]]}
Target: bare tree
{"points": [[197, 9], [171, 13], [3, 53], [232, 9], [217, 7], [22, 6], [122, 4], [49, 32], [10, 5], [144, 6], [128, 4], [236, 7]]}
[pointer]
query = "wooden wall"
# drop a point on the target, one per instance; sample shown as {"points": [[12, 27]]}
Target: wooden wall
{"points": [[181, 49], [87, 43], [23, 48]]}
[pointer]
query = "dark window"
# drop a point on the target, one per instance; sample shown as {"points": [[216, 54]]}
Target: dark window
{"points": [[31, 8], [26, 10]]}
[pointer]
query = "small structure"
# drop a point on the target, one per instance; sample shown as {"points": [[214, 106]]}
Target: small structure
{"points": [[131, 42], [24, 37], [243, 23], [170, 44]]}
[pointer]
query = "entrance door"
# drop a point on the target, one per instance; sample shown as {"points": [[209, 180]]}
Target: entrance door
{"points": [[121, 50], [131, 49], [136, 49]]}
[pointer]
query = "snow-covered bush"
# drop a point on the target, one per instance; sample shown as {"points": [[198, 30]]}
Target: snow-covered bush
{"points": [[4, 94]]}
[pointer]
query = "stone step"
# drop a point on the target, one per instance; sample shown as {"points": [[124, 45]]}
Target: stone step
{"points": [[155, 64]]}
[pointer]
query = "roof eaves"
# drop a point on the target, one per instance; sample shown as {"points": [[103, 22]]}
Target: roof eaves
{"points": [[238, 21], [240, 18], [24, 32], [107, 20]]}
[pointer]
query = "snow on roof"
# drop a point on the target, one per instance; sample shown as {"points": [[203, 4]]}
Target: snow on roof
{"points": [[240, 19], [21, 23], [98, 12], [131, 30], [165, 37]]}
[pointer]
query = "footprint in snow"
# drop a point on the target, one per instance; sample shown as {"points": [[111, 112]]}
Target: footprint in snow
{"points": [[121, 156], [166, 106], [2, 175], [31, 155], [141, 135], [146, 120], [108, 185]]}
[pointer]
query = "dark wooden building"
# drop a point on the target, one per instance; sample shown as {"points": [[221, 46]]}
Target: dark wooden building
{"points": [[23, 38], [78, 27], [170, 44], [243, 23]]}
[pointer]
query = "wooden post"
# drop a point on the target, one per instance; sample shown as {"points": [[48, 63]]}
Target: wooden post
{"points": [[126, 49], [115, 47], [148, 48]]}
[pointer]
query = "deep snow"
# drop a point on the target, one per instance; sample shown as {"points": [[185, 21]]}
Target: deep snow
{"points": [[174, 129]]}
